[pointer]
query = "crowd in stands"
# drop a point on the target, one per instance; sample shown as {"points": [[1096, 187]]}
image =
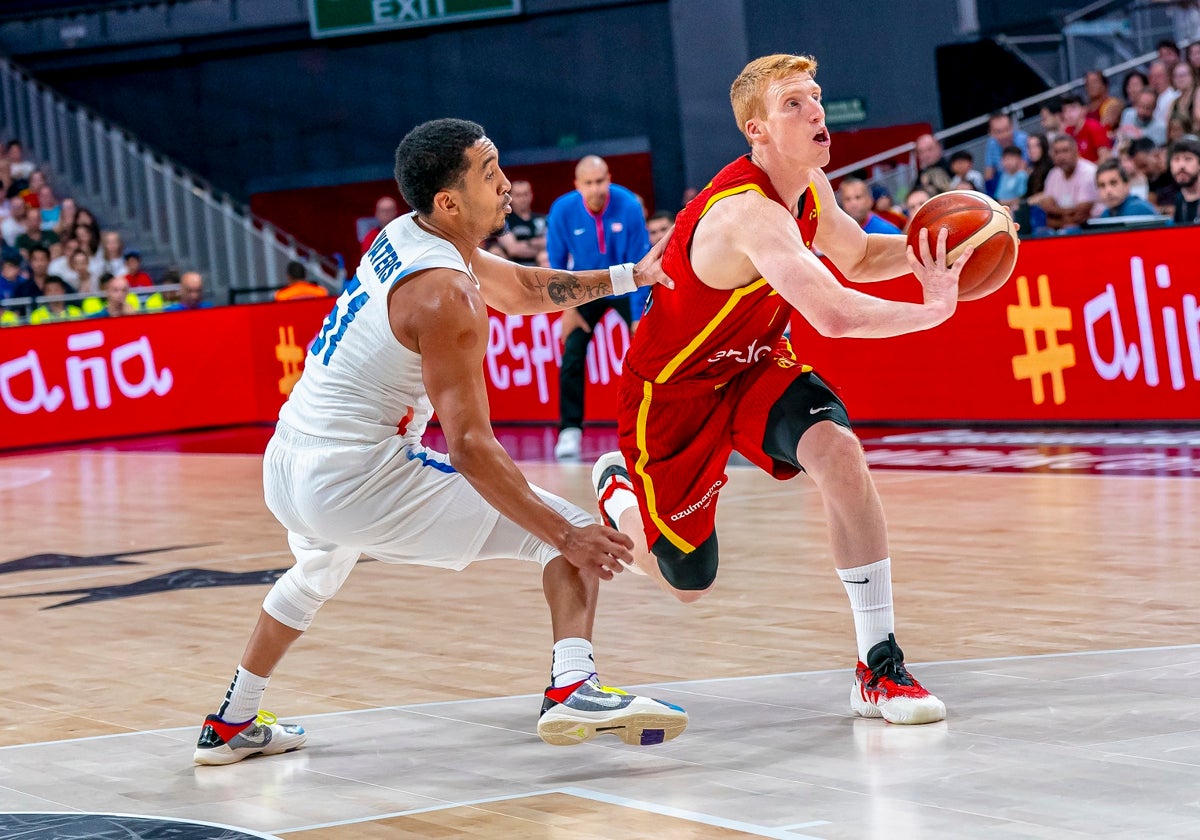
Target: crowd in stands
{"points": [[1098, 154], [50, 248]]}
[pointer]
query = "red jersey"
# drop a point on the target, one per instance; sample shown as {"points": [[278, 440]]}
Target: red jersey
{"points": [[699, 335], [1091, 139]]}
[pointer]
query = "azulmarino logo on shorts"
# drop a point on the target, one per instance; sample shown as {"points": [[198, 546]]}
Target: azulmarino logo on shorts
{"points": [[695, 506]]}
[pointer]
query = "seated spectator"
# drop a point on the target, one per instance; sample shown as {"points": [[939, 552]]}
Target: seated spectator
{"points": [[1051, 116], [1112, 186], [1134, 83], [112, 253], [965, 175], [49, 205], [884, 207], [20, 168], [117, 299], [67, 210], [12, 227], [1070, 194], [1138, 185], [1159, 76], [657, 226], [855, 198], [133, 270], [933, 170], [1185, 169], [912, 203], [1151, 161], [81, 273], [1102, 106], [298, 285], [89, 243], [39, 272], [1091, 138], [1138, 120], [35, 235], [1183, 80], [10, 277], [1168, 53], [1013, 180], [191, 293], [386, 209], [61, 264], [1176, 128], [1002, 134], [524, 231], [55, 310], [84, 216]]}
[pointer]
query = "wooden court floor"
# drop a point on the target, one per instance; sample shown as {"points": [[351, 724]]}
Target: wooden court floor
{"points": [[1056, 613]]}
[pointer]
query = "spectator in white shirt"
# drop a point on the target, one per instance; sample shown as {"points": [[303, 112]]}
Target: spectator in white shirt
{"points": [[1070, 196]]}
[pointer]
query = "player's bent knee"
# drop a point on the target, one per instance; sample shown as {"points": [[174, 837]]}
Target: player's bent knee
{"points": [[292, 604], [829, 447], [690, 573]]}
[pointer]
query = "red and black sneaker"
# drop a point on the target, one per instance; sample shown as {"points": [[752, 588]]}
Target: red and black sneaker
{"points": [[884, 688], [227, 743]]}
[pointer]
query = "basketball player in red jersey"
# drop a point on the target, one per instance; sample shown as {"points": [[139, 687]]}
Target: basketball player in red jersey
{"points": [[709, 371]]}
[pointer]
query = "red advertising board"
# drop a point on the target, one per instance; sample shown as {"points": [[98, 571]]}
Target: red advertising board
{"points": [[144, 374], [1089, 329]]}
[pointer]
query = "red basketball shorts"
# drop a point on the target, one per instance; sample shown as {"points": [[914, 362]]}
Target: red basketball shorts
{"points": [[677, 439]]}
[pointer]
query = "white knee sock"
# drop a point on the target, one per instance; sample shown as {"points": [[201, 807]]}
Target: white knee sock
{"points": [[244, 696], [870, 591], [572, 662]]}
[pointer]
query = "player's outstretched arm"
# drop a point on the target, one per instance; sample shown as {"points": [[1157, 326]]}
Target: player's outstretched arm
{"points": [[448, 326], [862, 257], [524, 290], [765, 234]]}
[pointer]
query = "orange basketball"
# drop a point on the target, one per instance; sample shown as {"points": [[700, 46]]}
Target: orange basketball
{"points": [[971, 218]]}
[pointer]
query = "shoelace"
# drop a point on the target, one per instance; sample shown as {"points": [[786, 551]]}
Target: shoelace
{"points": [[594, 681], [893, 669], [264, 718]]}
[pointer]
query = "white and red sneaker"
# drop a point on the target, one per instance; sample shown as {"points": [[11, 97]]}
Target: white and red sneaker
{"points": [[610, 475], [884, 688]]}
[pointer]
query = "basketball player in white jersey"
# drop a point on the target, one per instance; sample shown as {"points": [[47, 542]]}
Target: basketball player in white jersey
{"points": [[347, 475]]}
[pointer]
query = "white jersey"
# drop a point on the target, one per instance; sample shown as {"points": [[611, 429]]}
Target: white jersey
{"points": [[361, 385]]}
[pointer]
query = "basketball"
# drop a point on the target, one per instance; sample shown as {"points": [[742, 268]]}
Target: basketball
{"points": [[971, 218]]}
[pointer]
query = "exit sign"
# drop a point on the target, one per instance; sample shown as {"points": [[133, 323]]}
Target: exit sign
{"points": [[349, 17]]}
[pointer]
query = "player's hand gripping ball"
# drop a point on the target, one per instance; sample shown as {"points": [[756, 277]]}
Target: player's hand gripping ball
{"points": [[970, 219]]}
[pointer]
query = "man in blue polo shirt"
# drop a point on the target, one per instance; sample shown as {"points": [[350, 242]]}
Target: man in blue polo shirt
{"points": [[855, 197], [597, 225], [1112, 185]]}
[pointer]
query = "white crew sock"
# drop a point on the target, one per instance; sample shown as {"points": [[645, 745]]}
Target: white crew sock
{"points": [[572, 662], [870, 591], [621, 500], [244, 696]]}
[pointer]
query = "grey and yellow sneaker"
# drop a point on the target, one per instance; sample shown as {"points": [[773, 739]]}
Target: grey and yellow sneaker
{"points": [[576, 713], [227, 743]]}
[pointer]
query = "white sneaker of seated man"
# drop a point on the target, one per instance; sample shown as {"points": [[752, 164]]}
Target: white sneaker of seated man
{"points": [[570, 445]]}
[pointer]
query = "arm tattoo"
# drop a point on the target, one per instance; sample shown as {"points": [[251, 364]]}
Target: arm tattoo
{"points": [[567, 289]]}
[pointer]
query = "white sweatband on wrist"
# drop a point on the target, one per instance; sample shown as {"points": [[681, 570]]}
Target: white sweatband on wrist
{"points": [[622, 279]]}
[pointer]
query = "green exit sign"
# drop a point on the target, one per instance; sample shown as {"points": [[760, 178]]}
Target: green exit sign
{"points": [[346, 17]]}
